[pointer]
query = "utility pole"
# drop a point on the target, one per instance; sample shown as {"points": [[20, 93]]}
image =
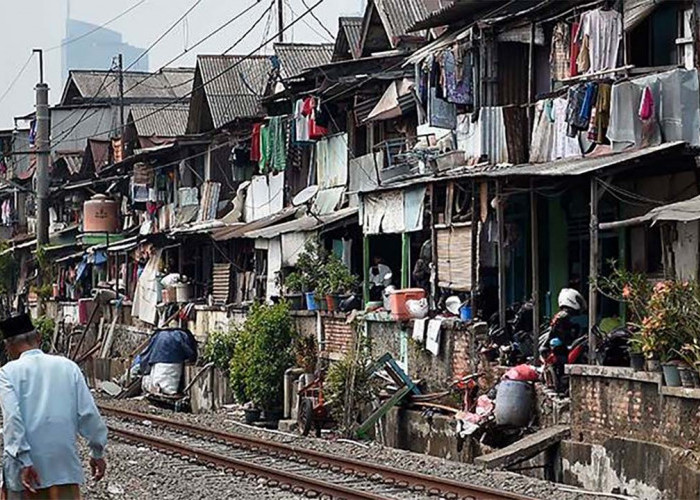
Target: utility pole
{"points": [[280, 21], [120, 64], [43, 149]]}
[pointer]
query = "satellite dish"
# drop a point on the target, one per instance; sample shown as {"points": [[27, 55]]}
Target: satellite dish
{"points": [[305, 196]]}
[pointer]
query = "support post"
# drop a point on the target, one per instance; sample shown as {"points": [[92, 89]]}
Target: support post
{"points": [[42, 150], [475, 245], [530, 80], [405, 260], [280, 21], [365, 267], [593, 271], [534, 242], [501, 257], [434, 277], [120, 63]]}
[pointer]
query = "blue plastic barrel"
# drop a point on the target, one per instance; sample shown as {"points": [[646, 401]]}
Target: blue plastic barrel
{"points": [[311, 304], [465, 313]]}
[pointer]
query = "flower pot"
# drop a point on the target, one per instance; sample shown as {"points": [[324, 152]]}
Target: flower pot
{"points": [[332, 301], [672, 377], [311, 303], [296, 301], [252, 415], [696, 377], [653, 365], [637, 362], [686, 376]]}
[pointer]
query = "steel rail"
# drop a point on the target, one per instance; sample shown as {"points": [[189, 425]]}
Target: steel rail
{"points": [[276, 475], [416, 480]]}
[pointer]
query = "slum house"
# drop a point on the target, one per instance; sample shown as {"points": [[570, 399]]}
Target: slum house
{"points": [[552, 122], [87, 141]]}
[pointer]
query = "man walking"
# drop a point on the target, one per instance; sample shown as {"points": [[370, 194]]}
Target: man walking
{"points": [[45, 405]]}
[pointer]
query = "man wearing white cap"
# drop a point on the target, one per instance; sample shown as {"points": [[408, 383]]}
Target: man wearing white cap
{"points": [[46, 404]]}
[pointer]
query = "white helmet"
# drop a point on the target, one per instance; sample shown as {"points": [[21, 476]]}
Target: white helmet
{"points": [[568, 297]]}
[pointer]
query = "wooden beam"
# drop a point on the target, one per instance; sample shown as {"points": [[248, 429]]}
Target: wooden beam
{"points": [[365, 267], [500, 220], [405, 260], [593, 271], [528, 447], [535, 262]]}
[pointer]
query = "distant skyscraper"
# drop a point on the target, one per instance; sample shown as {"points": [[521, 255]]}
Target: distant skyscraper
{"points": [[96, 50]]}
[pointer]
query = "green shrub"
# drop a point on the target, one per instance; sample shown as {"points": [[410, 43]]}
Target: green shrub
{"points": [[220, 346], [262, 353], [45, 326]]}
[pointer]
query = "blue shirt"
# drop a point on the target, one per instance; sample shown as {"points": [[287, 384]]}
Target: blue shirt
{"points": [[46, 404]]}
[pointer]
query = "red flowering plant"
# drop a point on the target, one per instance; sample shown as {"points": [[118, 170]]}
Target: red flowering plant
{"points": [[664, 316]]}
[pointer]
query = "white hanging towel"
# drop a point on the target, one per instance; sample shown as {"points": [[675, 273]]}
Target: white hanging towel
{"points": [[432, 343]]}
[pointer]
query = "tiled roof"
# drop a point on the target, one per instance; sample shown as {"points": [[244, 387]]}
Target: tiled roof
{"points": [[157, 121], [103, 85], [233, 85], [296, 57]]}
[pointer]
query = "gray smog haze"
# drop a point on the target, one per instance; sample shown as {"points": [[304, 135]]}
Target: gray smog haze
{"points": [[41, 24]]}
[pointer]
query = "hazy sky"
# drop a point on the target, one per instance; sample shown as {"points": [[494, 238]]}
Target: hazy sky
{"points": [[41, 24]]}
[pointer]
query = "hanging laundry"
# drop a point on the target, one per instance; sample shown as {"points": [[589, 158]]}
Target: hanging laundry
{"points": [[463, 91], [603, 30], [542, 135], [602, 114], [583, 59], [559, 57], [563, 146], [265, 149], [575, 100], [255, 143], [647, 115], [574, 51], [301, 123], [278, 144], [588, 101]]}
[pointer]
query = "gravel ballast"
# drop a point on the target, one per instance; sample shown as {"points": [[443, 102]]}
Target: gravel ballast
{"points": [[371, 452]]}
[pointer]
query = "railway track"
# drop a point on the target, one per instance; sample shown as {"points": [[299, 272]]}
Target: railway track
{"points": [[292, 468]]}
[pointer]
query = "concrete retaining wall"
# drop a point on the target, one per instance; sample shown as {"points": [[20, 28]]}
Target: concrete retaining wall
{"points": [[632, 435]]}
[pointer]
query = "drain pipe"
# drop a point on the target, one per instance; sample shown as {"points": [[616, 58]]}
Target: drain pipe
{"points": [[288, 381]]}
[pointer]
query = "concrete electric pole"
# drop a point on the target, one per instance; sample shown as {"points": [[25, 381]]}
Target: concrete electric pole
{"points": [[280, 21], [43, 149]]}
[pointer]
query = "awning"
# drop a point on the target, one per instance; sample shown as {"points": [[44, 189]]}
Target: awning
{"points": [[239, 230], [569, 167], [303, 224], [395, 101], [682, 211], [199, 227], [635, 11]]}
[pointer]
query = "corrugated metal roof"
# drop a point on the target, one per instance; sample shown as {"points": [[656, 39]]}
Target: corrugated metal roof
{"points": [[155, 120], [239, 230], [570, 167], [233, 85], [303, 224], [351, 29], [458, 11], [399, 15], [169, 83], [296, 57]]}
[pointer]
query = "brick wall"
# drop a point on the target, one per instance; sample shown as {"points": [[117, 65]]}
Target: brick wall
{"points": [[620, 403], [338, 335]]}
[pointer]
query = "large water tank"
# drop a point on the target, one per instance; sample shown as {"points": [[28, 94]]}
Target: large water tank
{"points": [[101, 215]]}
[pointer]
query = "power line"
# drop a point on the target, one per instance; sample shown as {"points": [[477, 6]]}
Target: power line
{"points": [[307, 24], [97, 28], [217, 76], [198, 43], [17, 77], [163, 35], [250, 30], [320, 23], [140, 82]]}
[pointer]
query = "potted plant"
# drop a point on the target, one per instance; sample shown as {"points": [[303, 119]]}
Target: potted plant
{"points": [[309, 271], [336, 281], [295, 284]]}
